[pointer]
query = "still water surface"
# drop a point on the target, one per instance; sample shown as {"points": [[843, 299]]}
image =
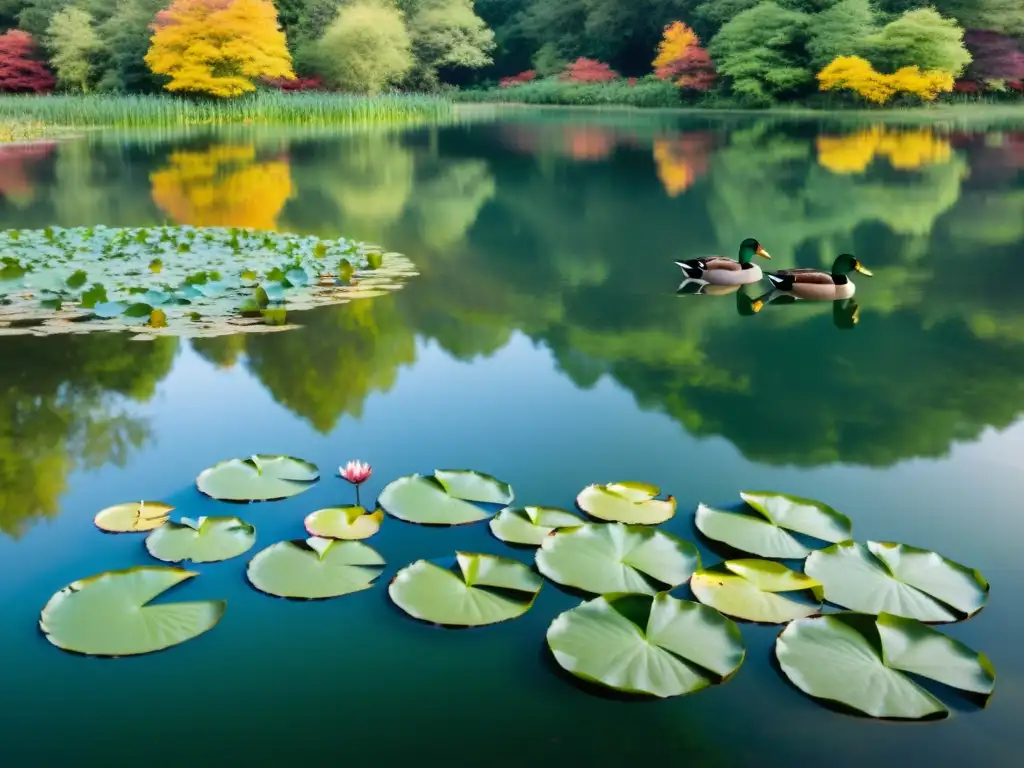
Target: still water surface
{"points": [[544, 343]]}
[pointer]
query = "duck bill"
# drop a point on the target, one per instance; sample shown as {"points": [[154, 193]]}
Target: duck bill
{"points": [[763, 253], [864, 270]]}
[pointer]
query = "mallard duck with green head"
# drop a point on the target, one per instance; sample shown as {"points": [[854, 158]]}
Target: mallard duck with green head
{"points": [[817, 284], [721, 270]]}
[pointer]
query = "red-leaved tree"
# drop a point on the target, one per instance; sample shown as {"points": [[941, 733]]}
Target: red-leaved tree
{"points": [[20, 70], [681, 59], [589, 71], [522, 77], [995, 56], [296, 84]]}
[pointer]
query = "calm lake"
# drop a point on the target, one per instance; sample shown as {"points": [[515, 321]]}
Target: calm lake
{"points": [[544, 343]]}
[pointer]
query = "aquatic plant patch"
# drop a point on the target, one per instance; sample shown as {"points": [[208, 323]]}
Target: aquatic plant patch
{"points": [[531, 525], [627, 502], [184, 281], [260, 477], [315, 568], [350, 522], [206, 540], [749, 589]]}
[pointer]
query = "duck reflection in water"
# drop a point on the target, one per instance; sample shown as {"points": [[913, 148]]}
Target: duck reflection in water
{"points": [[845, 312]]}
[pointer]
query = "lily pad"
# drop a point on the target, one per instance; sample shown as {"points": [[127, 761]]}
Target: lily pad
{"points": [[626, 502], [748, 590], [531, 525], [611, 557], [858, 661], [133, 517], [898, 579], [469, 485], [109, 614], [438, 499], [471, 591], [258, 478], [655, 645], [344, 523], [768, 533], [206, 540], [315, 568]]}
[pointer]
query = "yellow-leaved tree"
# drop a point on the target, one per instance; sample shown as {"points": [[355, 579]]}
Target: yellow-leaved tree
{"points": [[856, 74], [218, 47]]}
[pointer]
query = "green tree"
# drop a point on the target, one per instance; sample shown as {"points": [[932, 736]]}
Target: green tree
{"points": [[761, 51], [446, 34], [126, 36], [35, 16], [366, 48], [1005, 16], [920, 38], [74, 42], [840, 31]]}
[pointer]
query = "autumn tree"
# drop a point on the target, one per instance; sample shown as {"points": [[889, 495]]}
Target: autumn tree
{"points": [[995, 56], [218, 47], [367, 48], [856, 74], [682, 59], [588, 71], [21, 71], [73, 40]]}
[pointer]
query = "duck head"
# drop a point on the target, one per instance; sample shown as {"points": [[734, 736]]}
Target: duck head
{"points": [[750, 248], [846, 263]]}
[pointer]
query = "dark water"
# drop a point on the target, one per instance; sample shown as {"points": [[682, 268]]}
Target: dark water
{"points": [[544, 343]]}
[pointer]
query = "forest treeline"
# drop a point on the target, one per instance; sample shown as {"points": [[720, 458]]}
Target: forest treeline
{"points": [[752, 51]]}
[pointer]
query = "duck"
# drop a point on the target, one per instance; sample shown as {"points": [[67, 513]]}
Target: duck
{"points": [[721, 270], [817, 284]]}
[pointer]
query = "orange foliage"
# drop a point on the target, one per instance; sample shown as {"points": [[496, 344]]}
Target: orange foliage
{"points": [[680, 58], [856, 74], [682, 159], [677, 38], [589, 143], [224, 186], [905, 150]]}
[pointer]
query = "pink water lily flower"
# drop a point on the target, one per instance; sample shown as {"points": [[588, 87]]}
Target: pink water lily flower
{"points": [[356, 472]]}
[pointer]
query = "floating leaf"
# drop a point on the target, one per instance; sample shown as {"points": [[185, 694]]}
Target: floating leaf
{"points": [[95, 295], [531, 525], [897, 579], [133, 517], [606, 558], [315, 568], [473, 590], [626, 502], [297, 277], [748, 591], [157, 319], [768, 533], [108, 309], [655, 645], [855, 660], [77, 280], [109, 614], [206, 540], [425, 499], [258, 478], [138, 310], [344, 523]]}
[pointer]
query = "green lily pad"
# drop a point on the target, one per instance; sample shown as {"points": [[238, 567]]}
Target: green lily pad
{"points": [[474, 486], [437, 499], [258, 478], [109, 614], [344, 523], [858, 661], [607, 558], [897, 579], [655, 645], [768, 533], [626, 502], [206, 540], [531, 525], [133, 517], [748, 590], [472, 591], [315, 568]]}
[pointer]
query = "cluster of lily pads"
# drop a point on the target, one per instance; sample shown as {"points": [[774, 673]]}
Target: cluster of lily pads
{"points": [[629, 634], [185, 281]]}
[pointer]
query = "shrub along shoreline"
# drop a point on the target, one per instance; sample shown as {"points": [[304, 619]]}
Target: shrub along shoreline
{"points": [[266, 108]]}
